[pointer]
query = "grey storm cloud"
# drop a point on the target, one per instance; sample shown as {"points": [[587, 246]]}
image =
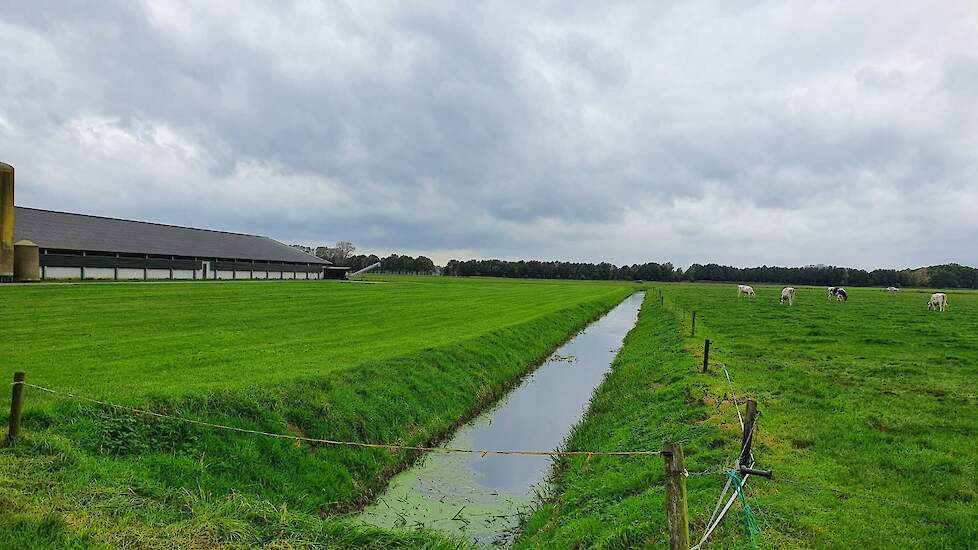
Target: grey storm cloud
{"points": [[739, 132]]}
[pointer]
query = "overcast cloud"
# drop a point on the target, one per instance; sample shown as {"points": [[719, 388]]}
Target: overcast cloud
{"points": [[739, 132]]}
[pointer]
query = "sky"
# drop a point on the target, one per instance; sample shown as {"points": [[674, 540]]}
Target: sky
{"points": [[742, 133]]}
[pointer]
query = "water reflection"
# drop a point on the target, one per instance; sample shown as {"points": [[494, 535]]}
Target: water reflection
{"points": [[480, 497]]}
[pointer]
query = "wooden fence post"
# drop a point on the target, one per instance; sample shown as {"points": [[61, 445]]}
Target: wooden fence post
{"points": [[692, 332], [16, 403], [706, 354], [748, 439], [676, 508]]}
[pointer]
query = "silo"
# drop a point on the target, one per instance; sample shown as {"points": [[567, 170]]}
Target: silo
{"points": [[6, 222], [27, 262]]}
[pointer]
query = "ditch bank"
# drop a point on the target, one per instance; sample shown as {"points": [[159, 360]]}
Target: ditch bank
{"points": [[480, 498], [652, 396]]}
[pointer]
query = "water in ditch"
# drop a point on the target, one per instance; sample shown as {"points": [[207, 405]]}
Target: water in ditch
{"points": [[480, 498]]}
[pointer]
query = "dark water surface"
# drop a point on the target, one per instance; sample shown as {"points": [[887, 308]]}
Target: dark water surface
{"points": [[480, 498]]}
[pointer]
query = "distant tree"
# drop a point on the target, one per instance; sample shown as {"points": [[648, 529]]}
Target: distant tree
{"points": [[343, 250], [339, 254], [452, 268], [423, 264]]}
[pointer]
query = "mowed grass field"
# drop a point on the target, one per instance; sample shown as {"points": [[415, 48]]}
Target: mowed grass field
{"points": [[139, 340], [401, 361], [869, 419]]}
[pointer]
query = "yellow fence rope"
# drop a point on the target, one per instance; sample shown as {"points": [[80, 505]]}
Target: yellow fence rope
{"points": [[391, 447]]}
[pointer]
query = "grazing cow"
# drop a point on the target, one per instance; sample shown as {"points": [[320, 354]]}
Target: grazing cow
{"points": [[892, 289], [788, 295], [745, 290], [938, 301], [839, 293]]}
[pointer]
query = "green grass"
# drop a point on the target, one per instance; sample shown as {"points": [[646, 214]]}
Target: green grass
{"points": [[124, 340], [404, 361], [869, 410], [869, 421]]}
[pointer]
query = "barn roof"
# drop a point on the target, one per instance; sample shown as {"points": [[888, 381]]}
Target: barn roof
{"points": [[67, 231]]}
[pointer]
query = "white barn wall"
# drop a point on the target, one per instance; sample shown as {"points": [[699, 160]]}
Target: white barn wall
{"points": [[138, 274], [127, 273], [62, 273], [99, 273]]}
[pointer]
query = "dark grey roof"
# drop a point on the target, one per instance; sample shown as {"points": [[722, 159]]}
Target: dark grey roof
{"points": [[62, 230]]}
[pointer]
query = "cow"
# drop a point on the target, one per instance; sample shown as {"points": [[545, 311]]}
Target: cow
{"points": [[788, 295], [838, 293], [938, 301], [892, 289], [743, 290]]}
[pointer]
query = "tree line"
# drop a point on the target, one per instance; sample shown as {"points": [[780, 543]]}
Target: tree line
{"points": [[943, 276], [534, 269], [940, 276]]}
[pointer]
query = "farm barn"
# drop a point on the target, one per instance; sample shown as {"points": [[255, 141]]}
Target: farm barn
{"points": [[46, 245]]}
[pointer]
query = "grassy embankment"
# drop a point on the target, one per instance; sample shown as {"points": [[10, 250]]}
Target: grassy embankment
{"points": [[402, 362], [869, 420]]}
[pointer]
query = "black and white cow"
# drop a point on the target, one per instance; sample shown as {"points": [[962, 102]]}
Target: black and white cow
{"points": [[838, 293]]}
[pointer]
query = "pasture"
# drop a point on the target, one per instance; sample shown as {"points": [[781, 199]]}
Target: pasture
{"points": [[869, 419], [402, 361], [869, 410]]}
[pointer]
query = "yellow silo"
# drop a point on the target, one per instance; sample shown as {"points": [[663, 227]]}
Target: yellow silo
{"points": [[6, 222], [27, 262]]}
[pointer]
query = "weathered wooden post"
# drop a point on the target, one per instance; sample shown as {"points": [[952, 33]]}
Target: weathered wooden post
{"points": [[676, 508], [16, 403], [750, 416], [706, 354], [692, 332]]}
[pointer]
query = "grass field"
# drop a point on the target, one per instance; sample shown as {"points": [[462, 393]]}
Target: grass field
{"points": [[869, 420], [140, 340], [403, 361], [869, 410]]}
